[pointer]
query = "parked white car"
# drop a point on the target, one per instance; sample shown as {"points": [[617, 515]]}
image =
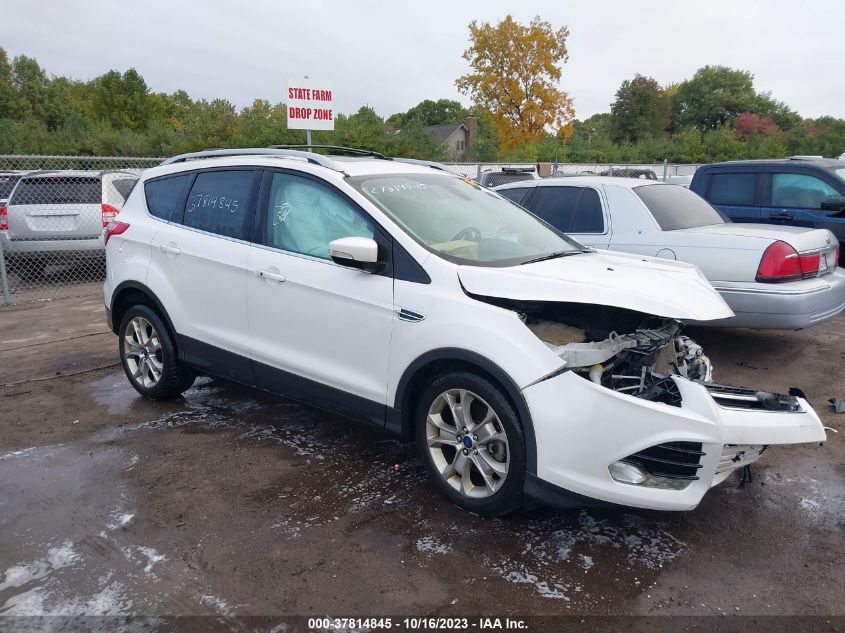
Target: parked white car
{"points": [[433, 308], [50, 212], [780, 277]]}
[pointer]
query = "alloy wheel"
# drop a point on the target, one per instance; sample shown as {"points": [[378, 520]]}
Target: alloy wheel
{"points": [[142, 349], [467, 443]]}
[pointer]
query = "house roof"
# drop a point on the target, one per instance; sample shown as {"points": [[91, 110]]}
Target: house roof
{"points": [[443, 132]]}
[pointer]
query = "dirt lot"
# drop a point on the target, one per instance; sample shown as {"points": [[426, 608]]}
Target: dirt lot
{"points": [[231, 501]]}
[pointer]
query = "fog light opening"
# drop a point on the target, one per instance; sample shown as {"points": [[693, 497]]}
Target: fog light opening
{"points": [[627, 473]]}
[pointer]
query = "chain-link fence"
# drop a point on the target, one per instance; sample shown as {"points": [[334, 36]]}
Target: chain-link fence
{"points": [[52, 213], [53, 210]]}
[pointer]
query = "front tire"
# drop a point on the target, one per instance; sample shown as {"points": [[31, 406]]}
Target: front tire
{"points": [[471, 441], [148, 355]]}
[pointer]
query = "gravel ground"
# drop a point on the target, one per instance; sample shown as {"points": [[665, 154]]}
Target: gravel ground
{"points": [[233, 502]]}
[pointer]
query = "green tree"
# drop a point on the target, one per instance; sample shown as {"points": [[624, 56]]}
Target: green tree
{"points": [[10, 102], [430, 112], [640, 109], [713, 97], [122, 99], [30, 82]]}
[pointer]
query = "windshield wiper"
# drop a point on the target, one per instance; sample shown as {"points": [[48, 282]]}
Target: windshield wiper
{"points": [[554, 255]]}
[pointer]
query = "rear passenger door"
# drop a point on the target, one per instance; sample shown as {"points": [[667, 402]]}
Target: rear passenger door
{"points": [[736, 194], [576, 211], [200, 256]]}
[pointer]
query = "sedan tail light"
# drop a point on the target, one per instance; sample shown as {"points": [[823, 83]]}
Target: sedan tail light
{"points": [[4, 219], [115, 228], [782, 263], [109, 213]]}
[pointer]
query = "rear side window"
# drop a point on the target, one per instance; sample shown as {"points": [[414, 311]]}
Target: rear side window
{"points": [[570, 209], [124, 186], [219, 203], [800, 191], [58, 190], [166, 197], [515, 195], [734, 189], [588, 216]]}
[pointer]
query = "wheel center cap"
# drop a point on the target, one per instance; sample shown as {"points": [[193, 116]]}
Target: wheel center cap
{"points": [[146, 352], [467, 441]]}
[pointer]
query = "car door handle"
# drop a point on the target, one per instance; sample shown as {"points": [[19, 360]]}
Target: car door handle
{"points": [[173, 250], [781, 216], [271, 275]]}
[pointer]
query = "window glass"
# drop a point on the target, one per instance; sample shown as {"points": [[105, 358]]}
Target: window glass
{"points": [[675, 207], [556, 205], [166, 197], [588, 216], [58, 190], [462, 221], [737, 189], [515, 195], [124, 186], [219, 203], [304, 216], [799, 191]]}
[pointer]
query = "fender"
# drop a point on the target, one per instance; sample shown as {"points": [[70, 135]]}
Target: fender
{"points": [[135, 285], [482, 363]]}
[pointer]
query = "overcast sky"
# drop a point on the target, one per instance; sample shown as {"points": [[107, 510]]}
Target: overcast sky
{"points": [[391, 54]]}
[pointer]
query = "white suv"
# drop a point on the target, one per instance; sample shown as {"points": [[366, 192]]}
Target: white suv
{"points": [[523, 364]]}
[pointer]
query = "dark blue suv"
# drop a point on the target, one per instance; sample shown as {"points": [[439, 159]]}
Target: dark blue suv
{"points": [[799, 191]]}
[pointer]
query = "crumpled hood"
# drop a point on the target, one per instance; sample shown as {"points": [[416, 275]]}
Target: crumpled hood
{"points": [[654, 286]]}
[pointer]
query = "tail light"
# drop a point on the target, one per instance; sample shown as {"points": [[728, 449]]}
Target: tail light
{"points": [[109, 213], [115, 228], [4, 219], [781, 263]]}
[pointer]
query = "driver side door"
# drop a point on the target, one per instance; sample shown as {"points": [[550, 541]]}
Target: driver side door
{"points": [[320, 332]]}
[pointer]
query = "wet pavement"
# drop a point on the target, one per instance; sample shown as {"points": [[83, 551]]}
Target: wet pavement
{"points": [[231, 501]]}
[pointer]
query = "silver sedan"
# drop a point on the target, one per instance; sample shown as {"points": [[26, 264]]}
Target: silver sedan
{"points": [[779, 277]]}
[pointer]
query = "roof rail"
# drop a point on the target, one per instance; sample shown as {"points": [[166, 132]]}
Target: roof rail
{"points": [[311, 157], [423, 163], [348, 151]]}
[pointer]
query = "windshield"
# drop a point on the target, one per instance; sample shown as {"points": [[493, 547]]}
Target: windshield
{"points": [[676, 207], [462, 221]]}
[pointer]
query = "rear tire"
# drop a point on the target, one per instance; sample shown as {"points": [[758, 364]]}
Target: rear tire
{"points": [[148, 355], [471, 442]]}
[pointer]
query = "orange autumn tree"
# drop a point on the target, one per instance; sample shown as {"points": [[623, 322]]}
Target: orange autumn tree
{"points": [[515, 72]]}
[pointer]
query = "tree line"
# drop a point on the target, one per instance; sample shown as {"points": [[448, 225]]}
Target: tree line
{"points": [[717, 114]]}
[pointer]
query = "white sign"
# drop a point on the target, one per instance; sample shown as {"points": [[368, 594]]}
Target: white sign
{"points": [[310, 105]]}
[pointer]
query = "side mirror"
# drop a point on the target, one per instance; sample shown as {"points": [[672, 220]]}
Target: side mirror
{"points": [[833, 203], [356, 252]]}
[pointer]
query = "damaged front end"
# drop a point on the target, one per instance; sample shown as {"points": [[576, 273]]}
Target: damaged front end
{"points": [[633, 415], [642, 360]]}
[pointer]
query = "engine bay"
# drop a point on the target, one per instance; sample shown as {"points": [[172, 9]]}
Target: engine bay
{"points": [[623, 350]]}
